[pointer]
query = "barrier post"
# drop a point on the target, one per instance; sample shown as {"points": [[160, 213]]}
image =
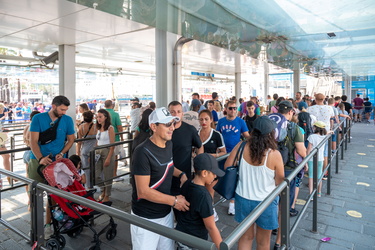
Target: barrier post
{"points": [[337, 158], [285, 213], [315, 189], [92, 169], [12, 157], [348, 125], [37, 220], [329, 164]]}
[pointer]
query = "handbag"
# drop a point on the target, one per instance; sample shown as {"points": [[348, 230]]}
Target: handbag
{"points": [[226, 185], [49, 134]]}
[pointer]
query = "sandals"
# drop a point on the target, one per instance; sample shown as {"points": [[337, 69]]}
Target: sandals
{"points": [[319, 194]]}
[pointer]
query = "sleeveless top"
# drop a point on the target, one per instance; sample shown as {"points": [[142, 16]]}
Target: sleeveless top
{"points": [[103, 137], [255, 182]]}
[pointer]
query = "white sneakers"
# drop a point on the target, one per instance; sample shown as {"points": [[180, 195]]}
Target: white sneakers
{"points": [[231, 210], [48, 231], [216, 216]]}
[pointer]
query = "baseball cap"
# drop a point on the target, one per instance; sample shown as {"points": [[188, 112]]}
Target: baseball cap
{"points": [[302, 105], [320, 124], [207, 162], [195, 102], [161, 115], [135, 99], [264, 125], [285, 105]]}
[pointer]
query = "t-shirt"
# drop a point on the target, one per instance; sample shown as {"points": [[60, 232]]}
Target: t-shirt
{"points": [[41, 122], [214, 115], [272, 103], [115, 121], [249, 122], [192, 118], [348, 107], [135, 118], [183, 138], [231, 131], [368, 106], [151, 160], [322, 113], [18, 112], [214, 141], [191, 222], [315, 139], [358, 103]]}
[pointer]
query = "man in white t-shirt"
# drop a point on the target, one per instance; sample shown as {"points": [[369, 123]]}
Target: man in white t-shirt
{"points": [[322, 113]]}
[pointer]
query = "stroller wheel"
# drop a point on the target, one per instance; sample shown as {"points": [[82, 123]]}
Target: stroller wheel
{"points": [[53, 244], [111, 233], [61, 240]]}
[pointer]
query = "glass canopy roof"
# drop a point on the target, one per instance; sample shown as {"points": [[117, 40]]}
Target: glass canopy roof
{"points": [[336, 36]]}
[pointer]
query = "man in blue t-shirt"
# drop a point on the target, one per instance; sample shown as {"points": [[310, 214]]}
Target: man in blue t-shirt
{"points": [[232, 127], [52, 150]]}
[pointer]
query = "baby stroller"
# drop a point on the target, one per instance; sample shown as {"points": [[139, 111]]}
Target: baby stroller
{"points": [[69, 217]]}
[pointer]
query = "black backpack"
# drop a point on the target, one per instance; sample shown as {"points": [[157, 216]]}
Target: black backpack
{"points": [[304, 121]]}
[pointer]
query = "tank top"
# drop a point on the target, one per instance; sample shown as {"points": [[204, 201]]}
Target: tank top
{"points": [[103, 137], [255, 182]]}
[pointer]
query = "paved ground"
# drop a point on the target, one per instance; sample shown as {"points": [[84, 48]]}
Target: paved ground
{"points": [[347, 216]]}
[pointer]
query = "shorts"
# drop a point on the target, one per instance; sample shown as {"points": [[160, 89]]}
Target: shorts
{"points": [[26, 156], [298, 181], [33, 171], [268, 220], [334, 136], [311, 168], [117, 149], [145, 239], [357, 111]]}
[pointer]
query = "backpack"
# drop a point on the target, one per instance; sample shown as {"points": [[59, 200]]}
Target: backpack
{"points": [[304, 121], [284, 131]]}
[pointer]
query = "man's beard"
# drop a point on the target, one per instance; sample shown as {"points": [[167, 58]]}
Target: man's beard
{"points": [[55, 113]]}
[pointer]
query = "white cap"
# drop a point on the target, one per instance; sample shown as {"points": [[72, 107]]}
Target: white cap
{"points": [[161, 115]]}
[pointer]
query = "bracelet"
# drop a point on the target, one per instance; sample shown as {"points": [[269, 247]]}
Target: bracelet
{"points": [[175, 201], [40, 159], [180, 175]]}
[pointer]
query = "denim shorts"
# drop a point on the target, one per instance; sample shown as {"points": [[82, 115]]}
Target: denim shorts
{"points": [[334, 136], [326, 149], [267, 220], [26, 156]]}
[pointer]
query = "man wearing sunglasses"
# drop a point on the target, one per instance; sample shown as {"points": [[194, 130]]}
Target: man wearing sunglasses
{"points": [[232, 128], [152, 173]]}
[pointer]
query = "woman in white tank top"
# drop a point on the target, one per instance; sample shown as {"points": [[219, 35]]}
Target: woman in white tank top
{"points": [[104, 158], [260, 171]]}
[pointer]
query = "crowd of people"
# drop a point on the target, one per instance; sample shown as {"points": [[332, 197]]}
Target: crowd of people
{"points": [[174, 167]]}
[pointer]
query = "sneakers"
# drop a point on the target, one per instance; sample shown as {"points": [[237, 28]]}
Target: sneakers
{"points": [[293, 212], [231, 210], [48, 232], [216, 216], [325, 177]]}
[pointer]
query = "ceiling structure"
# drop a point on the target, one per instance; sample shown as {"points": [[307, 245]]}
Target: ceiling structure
{"points": [[326, 37]]}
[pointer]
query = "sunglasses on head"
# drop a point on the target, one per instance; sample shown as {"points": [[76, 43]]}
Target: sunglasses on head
{"points": [[232, 108], [168, 124]]}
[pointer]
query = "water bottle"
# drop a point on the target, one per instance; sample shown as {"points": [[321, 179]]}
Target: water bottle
{"points": [[58, 215]]}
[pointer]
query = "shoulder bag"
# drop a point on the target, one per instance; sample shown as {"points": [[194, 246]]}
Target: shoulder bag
{"points": [[226, 186], [49, 135]]}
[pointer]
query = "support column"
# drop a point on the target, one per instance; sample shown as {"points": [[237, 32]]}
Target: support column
{"points": [[237, 76], [67, 76], [164, 45], [266, 81], [296, 79]]}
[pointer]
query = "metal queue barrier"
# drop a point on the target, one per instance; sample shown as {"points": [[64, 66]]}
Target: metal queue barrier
{"points": [[37, 220]]}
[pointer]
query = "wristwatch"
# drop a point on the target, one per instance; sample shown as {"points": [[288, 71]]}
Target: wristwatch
{"points": [[61, 153], [182, 173]]}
